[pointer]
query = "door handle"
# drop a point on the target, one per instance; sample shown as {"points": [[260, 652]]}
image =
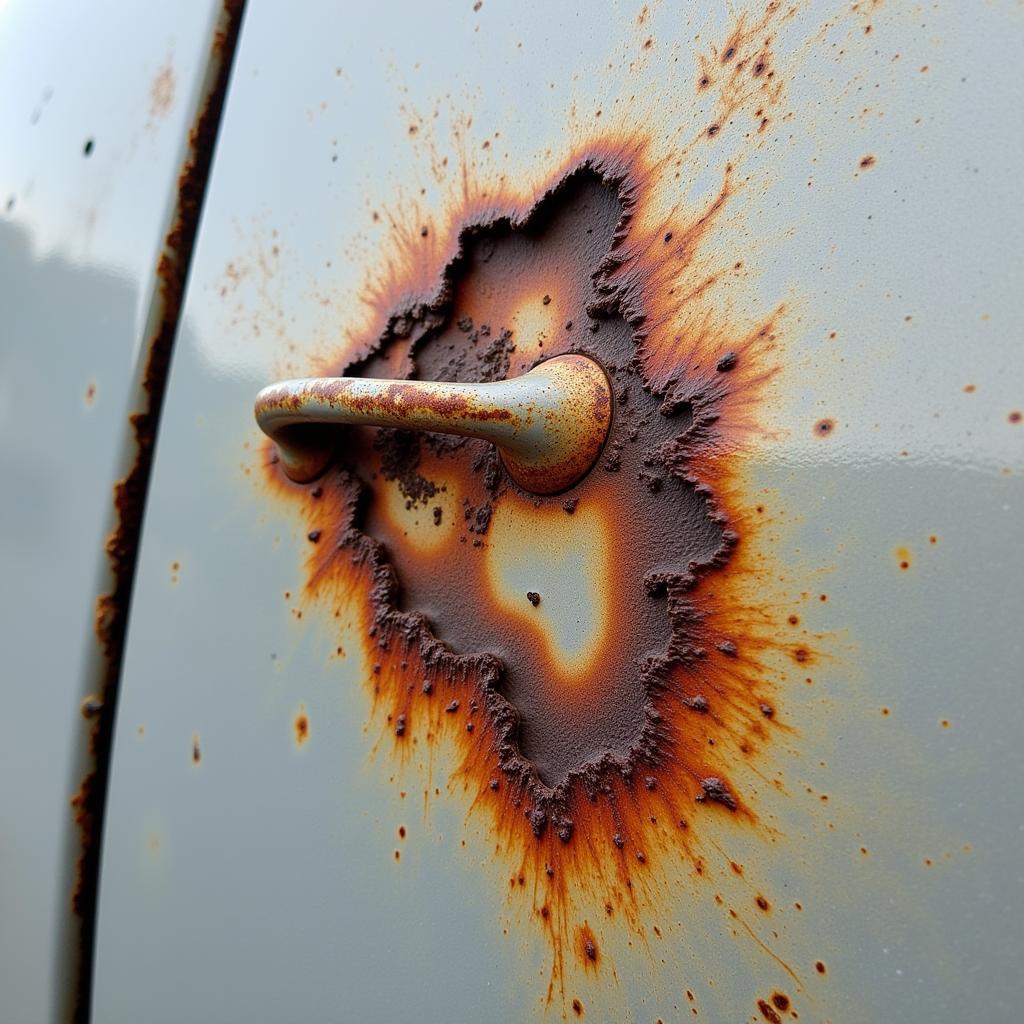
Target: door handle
{"points": [[548, 425]]}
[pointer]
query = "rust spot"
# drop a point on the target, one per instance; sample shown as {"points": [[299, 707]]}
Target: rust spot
{"points": [[824, 428], [1015, 417], [301, 727], [90, 393], [161, 92], [903, 557], [820, 967], [767, 1012], [866, 162], [197, 754], [586, 945]]}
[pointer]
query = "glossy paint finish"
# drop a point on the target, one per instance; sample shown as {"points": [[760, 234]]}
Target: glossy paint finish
{"points": [[96, 101], [273, 852]]}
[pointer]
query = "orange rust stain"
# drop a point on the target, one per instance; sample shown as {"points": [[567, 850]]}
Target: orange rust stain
{"points": [[903, 557], [161, 92], [686, 696], [867, 162], [301, 727]]}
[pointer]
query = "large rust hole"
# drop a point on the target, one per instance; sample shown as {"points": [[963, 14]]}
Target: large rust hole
{"points": [[639, 529]]}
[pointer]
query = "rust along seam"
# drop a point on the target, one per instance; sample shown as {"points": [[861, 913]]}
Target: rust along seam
{"points": [[129, 496]]}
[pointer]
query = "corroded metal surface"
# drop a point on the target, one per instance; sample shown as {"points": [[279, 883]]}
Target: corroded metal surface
{"points": [[549, 425], [691, 739]]}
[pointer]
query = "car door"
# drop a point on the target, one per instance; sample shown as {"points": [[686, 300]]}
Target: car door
{"points": [[102, 154], [728, 729]]}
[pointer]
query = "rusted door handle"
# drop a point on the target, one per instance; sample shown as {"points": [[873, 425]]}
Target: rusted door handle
{"points": [[549, 425]]}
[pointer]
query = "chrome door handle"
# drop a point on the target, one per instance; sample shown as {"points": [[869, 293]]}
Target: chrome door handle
{"points": [[549, 425]]}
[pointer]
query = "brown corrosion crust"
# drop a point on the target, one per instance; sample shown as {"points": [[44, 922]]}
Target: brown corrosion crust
{"points": [[130, 493], [691, 697], [595, 782]]}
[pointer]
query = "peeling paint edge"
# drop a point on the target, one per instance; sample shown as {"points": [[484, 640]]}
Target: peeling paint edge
{"points": [[88, 801]]}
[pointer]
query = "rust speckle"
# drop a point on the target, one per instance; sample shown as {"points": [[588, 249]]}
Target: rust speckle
{"points": [[197, 754], [301, 728], [161, 92], [866, 162], [903, 558], [824, 428], [1015, 417]]}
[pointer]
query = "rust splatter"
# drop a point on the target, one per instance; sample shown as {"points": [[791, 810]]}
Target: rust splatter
{"points": [[596, 776]]}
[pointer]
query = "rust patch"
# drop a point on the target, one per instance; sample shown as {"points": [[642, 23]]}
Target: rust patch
{"points": [[603, 775], [592, 774]]}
